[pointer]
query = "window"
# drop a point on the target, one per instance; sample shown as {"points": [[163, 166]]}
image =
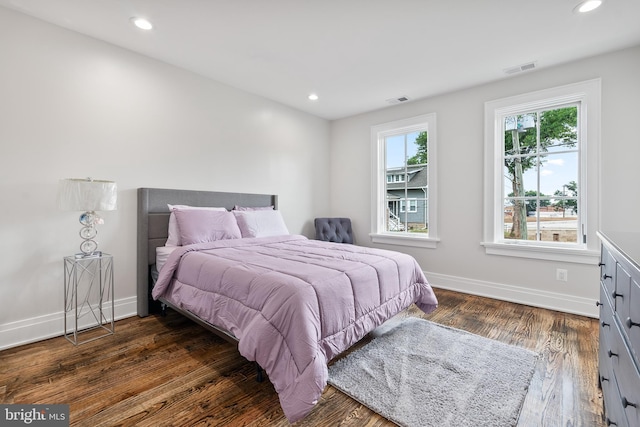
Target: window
{"points": [[403, 177], [395, 177], [541, 197], [413, 206]]}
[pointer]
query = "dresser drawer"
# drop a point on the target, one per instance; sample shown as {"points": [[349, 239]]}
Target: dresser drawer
{"points": [[607, 327], [614, 349], [614, 412], [632, 322], [608, 270], [605, 368], [628, 379], [622, 294]]}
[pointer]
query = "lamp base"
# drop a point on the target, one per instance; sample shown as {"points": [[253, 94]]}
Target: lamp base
{"points": [[88, 232]]}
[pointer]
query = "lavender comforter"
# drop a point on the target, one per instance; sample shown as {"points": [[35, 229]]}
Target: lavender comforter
{"points": [[293, 303]]}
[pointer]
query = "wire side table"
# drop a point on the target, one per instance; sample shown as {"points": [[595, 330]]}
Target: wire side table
{"points": [[88, 297]]}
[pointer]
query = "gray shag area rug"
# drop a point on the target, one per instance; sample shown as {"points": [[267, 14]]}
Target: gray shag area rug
{"points": [[421, 374]]}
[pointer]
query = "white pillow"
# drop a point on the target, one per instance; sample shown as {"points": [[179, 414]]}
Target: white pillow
{"points": [[162, 254], [247, 208], [261, 223], [174, 233]]}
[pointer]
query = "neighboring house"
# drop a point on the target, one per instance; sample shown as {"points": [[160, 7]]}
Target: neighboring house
{"points": [[407, 197]]}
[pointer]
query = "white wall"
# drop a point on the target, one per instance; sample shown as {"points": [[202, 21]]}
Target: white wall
{"points": [[460, 261], [72, 107]]}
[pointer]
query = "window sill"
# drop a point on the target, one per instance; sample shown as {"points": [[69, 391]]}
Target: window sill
{"points": [[405, 240], [577, 256]]}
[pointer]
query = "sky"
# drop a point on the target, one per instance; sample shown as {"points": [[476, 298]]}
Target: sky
{"points": [[558, 170], [395, 149]]}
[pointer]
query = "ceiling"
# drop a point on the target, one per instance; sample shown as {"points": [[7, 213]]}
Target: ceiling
{"points": [[355, 54]]}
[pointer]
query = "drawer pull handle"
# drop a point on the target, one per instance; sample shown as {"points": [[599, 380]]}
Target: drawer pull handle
{"points": [[616, 295], [602, 378], [631, 323], [611, 423], [600, 264], [626, 403], [611, 354], [598, 304], [603, 323], [607, 276]]}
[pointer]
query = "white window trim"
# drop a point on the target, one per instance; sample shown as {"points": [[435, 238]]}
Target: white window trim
{"points": [[588, 94], [378, 177]]}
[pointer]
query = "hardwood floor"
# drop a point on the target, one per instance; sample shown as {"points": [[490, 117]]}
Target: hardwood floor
{"points": [[169, 371]]}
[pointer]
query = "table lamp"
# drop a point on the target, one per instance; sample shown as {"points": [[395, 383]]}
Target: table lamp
{"points": [[88, 196]]}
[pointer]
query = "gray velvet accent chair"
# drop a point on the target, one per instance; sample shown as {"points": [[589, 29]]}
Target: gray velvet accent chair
{"points": [[334, 230]]}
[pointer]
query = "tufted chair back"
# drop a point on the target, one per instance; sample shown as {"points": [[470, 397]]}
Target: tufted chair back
{"points": [[334, 230]]}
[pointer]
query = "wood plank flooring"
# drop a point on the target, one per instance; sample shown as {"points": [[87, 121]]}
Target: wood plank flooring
{"points": [[171, 372]]}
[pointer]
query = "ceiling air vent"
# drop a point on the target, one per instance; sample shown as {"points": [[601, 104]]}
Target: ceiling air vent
{"points": [[519, 68], [400, 100]]}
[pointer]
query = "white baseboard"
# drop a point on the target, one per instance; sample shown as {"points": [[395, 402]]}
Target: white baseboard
{"points": [[52, 325], [527, 296]]}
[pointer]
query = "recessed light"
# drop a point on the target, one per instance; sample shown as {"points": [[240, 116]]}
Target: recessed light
{"points": [[142, 23], [587, 6], [313, 97]]}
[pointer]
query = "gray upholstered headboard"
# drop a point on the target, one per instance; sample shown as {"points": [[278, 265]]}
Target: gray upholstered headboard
{"points": [[153, 223]]}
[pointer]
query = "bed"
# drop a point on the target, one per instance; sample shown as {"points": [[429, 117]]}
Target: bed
{"points": [[290, 303]]}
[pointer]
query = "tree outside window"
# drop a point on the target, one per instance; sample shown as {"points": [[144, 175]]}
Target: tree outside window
{"points": [[541, 157]]}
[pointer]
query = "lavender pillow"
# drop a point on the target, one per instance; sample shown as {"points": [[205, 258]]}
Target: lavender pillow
{"points": [[198, 225], [174, 234], [261, 223]]}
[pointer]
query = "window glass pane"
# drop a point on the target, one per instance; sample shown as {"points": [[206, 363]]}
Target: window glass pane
{"points": [[520, 135], [395, 160], [394, 146], [558, 129], [516, 225], [406, 182], [540, 165], [558, 223], [528, 179], [557, 171], [416, 148]]}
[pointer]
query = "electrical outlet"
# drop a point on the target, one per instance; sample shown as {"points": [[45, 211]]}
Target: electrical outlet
{"points": [[562, 274]]}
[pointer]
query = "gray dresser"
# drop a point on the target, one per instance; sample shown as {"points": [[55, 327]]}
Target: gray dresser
{"points": [[619, 368]]}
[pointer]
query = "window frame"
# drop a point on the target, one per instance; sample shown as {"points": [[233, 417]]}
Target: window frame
{"points": [[379, 180], [587, 95]]}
